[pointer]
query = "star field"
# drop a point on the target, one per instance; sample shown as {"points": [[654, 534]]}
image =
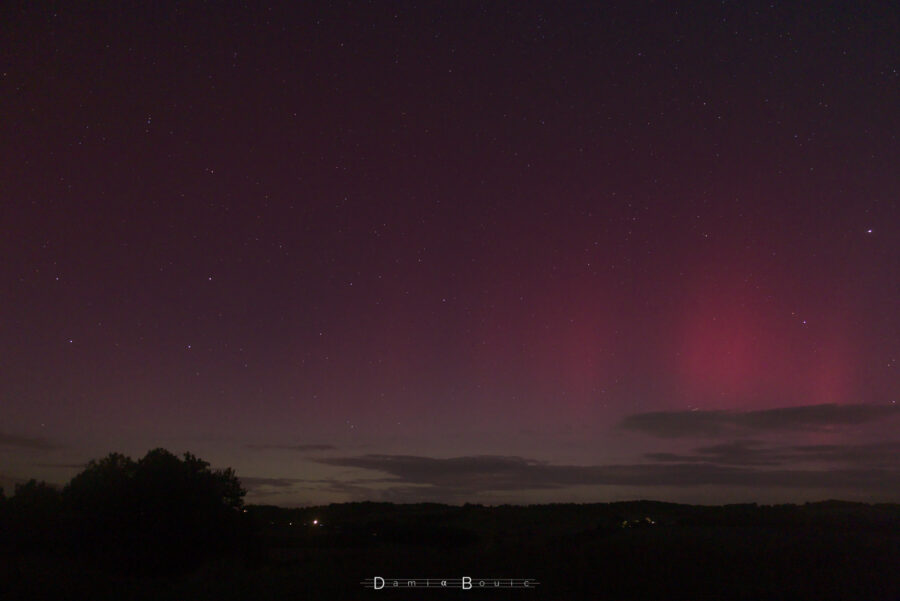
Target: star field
{"points": [[295, 239]]}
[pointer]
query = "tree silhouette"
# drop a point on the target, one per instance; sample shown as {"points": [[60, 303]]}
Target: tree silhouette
{"points": [[34, 495], [160, 513], [33, 513]]}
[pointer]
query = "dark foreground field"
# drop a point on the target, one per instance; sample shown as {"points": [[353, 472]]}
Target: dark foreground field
{"points": [[635, 550]]}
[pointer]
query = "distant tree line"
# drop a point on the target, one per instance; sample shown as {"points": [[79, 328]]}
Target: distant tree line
{"points": [[161, 513]]}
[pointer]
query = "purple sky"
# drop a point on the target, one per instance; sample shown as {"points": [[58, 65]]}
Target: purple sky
{"points": [[495, 252]]}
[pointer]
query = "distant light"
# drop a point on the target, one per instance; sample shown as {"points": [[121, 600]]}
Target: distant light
{"points": [[315, 522], [869, 231]]}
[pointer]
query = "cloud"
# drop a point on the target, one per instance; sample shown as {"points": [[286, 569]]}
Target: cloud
{"points": [[678, 424], [469, 472], [460, 476], [297, 447], [265, 487], [357, 490], [739, 452], [751, 452], [252, 484], [374, 490], [26, 442], [881, 454]]}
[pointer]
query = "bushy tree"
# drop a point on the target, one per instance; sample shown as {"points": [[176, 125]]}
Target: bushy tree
{"points": [[160, 511], [33, 513], [34, 494]]}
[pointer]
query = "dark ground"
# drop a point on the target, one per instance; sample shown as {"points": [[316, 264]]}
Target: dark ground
{"points": [[819, 551]]}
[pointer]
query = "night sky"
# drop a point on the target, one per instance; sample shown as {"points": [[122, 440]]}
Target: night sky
{"points": [[460, 252]]}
